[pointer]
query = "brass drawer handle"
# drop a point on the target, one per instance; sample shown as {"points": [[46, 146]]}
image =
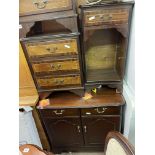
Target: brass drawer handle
{"points": [[59, 113], [55, 67], [52, 66], [40, 5], [51, 50], [59, 81], [101, 112], [58, 66], [105, 17]]}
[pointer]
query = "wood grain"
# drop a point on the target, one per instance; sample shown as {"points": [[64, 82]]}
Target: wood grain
{"points": [[112, 15], [28, 95], [52, 48], [67, 65], [104, 97], [42, 135], [27, 7], [59, 81]]}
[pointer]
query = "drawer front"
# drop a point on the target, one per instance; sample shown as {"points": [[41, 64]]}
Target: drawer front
{"points": [[67, 65], [59, 81], [27, 7], [59, 112], [52, 48], [106, 15], [101, 111]]}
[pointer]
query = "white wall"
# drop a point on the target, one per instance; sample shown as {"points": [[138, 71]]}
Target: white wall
{"points": [[129, 87]]}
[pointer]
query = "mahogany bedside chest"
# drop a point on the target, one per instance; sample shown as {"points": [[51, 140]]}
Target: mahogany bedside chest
{"points": [[50, 39]]}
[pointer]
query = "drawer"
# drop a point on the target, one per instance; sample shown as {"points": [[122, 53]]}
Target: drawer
{"points": [[59, 112], [28, 7], [101, 111], [112, 15], [52, 48], [64, 65], [58, 82]]}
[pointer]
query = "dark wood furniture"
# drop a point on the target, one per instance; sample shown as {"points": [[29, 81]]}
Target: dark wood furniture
{"points": [[105, 33], [50, 39], [116, 140], [73, 124], [60, 61]]}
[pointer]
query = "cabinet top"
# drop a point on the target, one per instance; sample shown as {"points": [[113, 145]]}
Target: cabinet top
{"points": [[108, 4], [62, 100]]}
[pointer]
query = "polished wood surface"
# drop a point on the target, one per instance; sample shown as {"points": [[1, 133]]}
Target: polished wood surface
{"points": [[60, 113], [108, 15], [64, 65], [64, 132], [101, 111], [41, 132], [28, 95], [96, 129], [59, 81], [87, 121], [105, 97], [52, 48], [40, 6]]}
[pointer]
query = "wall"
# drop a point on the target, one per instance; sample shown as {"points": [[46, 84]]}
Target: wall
{"points": [[129, 87]]}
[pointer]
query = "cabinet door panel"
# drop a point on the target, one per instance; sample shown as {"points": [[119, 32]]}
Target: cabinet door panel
{"points": [[96, 129], [64, 132]]}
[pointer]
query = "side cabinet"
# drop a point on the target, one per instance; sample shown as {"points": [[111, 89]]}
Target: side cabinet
{"points": [[97, 122], [96, 129], [80, 129], [63, 128]]}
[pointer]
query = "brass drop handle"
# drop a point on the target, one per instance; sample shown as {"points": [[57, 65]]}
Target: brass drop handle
{"points": [[85, 129], [58, 66], [78, 128], [105, 17], [61, 81], [52, 66], [102, 111], [51, 50], [58, 82], [58, 113], [40, 5]]}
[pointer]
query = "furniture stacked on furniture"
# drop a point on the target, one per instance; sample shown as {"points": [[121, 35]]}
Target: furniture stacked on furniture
{"points": [[49, 36], [59, 62]]}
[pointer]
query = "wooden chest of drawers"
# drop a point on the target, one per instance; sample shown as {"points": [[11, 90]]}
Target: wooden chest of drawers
{"points": [[55, 63]]}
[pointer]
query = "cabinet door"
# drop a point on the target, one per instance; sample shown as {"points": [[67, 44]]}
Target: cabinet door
{"points": [[96, 129], [64, 132]]}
